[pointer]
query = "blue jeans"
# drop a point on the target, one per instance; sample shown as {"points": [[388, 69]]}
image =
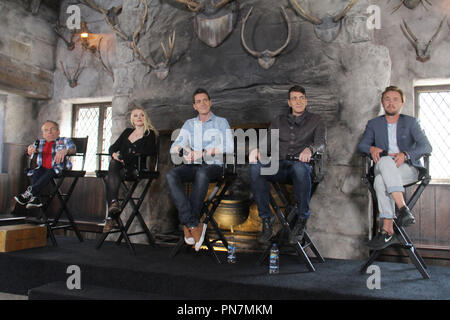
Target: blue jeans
{"points": [[201, 175], [41, 177], [293, 172]]}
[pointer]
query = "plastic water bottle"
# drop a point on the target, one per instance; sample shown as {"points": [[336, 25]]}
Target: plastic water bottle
{"points": [[231, 258], [274, 262]]}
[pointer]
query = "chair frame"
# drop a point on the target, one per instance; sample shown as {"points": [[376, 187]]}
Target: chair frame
{"points": [[63, 198], [209, 208], [129, 198], [422, 182], [286, 214]]}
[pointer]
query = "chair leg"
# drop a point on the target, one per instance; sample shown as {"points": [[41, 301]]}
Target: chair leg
{"points": [[286, 222], [101, 240], [211, 250], [310, 244], [372, 258], [412, 253], [302, 253], [125, 235], [50, 234], [177, 248]]}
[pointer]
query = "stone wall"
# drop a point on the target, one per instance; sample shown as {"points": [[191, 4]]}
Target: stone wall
{"points": [[343, 79]]}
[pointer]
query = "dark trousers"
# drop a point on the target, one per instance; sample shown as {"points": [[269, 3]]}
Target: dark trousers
{"points": [[40, 179], [295, 172], [116, 172], [201, 175]]}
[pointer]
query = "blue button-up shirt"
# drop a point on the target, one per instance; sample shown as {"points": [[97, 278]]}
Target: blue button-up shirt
{"points": [[213, 133]]}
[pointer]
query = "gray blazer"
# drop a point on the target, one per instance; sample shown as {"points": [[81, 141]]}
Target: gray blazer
{"points": [[410, 138]]}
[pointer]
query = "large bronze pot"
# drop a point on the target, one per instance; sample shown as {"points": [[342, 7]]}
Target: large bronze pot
{"points": [[231, 213]]}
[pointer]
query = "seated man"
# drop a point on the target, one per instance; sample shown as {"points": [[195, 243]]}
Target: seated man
{"points": [[203, 140], [51, 151], [301, 134], [395, 142]]}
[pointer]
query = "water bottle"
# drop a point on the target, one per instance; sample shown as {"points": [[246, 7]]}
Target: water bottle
{"points": [[274, 262], [231, 258]]}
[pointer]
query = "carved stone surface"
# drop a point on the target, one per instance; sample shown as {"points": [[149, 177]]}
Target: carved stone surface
{"points": [[343, 79]]}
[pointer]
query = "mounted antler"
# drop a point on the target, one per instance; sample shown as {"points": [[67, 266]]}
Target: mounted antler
{"points": [[266, 58], [326, 28], [162, 68], [411, 4], [422, 48], [193, 5], [110, 16], [107, 69], [220, 4], [73, 78], [135, 38], [70, 44], [345, 11]]}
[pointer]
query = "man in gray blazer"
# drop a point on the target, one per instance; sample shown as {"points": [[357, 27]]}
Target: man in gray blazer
{"points": [[395, 142]]}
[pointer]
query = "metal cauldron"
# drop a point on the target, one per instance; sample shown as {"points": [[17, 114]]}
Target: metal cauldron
{"points": [[231, 212]]}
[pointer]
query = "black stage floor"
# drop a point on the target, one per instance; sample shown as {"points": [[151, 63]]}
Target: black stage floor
{"points": [[114, 273]]}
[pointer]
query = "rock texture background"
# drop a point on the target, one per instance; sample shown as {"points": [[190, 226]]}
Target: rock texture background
{"points": [[343, 79]]}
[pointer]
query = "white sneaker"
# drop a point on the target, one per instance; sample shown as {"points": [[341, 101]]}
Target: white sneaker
{"points": [[199, 243], [188, 238]]}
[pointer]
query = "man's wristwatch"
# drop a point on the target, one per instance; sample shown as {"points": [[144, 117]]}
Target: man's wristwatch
{"points": [[406, 155]]}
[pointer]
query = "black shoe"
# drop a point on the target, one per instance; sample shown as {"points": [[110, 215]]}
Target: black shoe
{"points": [[405, 217], [298, 231], [267, 230], [382, 240], [21, 199], [25, 197], [34, 203]]}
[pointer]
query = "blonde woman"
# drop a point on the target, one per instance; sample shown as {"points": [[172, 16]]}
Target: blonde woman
{"points": [[141, 139]]}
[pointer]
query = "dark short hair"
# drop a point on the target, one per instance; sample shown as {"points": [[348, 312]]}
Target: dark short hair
{"points": [[297, 89], [198, 91], [396, 89]]}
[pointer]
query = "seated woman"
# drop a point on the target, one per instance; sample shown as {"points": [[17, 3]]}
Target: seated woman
{"points": [[141, 139]]}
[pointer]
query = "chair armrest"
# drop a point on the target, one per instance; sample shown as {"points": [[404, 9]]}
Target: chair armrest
{"points": [[366, 164]]}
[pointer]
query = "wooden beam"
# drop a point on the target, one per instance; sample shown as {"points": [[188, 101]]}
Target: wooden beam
{"points": [[25, 80]]}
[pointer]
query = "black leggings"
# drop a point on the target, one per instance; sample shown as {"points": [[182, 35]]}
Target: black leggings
{"points": [[115, 175]]}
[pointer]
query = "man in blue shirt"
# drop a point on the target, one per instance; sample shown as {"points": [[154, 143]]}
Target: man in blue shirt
{"points": [[395, 142], [203, 141]]}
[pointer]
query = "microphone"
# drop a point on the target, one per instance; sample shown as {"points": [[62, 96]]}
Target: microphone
{"points": [[35, 145]]}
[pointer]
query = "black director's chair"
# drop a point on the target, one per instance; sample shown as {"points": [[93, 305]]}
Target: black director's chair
{"points": [[129, 184], [424, 178], [209, 207], [56, 190], [286, 214]]}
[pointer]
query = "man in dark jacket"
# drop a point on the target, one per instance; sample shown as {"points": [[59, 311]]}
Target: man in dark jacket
{"points": [[395, 142], [301, 134]]}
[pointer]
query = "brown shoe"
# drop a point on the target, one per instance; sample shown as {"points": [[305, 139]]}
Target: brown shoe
{"points": [[188, 238], [199, 235], [114, 208], [109, 225]]}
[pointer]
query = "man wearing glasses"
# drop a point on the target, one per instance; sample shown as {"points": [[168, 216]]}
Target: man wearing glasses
{"points": [[301, 134], [203, 140]]}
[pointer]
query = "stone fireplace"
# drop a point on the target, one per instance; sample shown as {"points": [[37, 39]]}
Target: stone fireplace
{"points": [[343, 80]]}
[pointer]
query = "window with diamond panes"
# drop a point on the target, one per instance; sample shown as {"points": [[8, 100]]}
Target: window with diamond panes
{"points": [[94, 121], [433, 110]]}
